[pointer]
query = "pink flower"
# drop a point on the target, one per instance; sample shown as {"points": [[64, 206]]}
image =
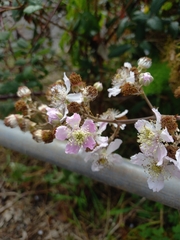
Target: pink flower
{"points": [[77, 136], [103, 155], [152, 137], [156, 174]]}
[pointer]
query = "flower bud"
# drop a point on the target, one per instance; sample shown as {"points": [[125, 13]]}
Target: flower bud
{"points": [[144, 62], [98, 86], [12, 120], [145, 78], [23, 91]]}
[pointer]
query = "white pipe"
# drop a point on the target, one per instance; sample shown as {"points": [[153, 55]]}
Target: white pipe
{"points": [[125, 176]]}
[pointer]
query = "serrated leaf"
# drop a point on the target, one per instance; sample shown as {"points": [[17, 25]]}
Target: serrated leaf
{"points": [[155, 23], [116, 51], [30, 9], [4, 35]]}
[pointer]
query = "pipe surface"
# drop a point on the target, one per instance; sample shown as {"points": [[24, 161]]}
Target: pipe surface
{"points": [[125, 176]]}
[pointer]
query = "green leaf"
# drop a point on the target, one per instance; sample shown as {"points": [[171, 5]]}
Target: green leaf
{"points": [[22, 43], [9, 87], [116, 51], [174, 28], [155, 23], [4, 35], [139, 16], [156, 5], [160, 71], [20, 62], [124, 23], [30, 9]]}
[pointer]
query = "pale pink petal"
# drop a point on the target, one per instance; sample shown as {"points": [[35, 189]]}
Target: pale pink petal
{"points": [[115, 158], [74, 120], [158, 118], [62, 133], [102, 127], [102, 141], [72, 148], [155, 185], [165, 136], [140, 124], [138, 159], [89, 143], [96, 166], [160, 153], [113, 146], [89, 125], [75, 97], [67, 83]]}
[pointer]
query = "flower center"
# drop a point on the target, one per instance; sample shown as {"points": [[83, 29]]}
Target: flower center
{"points": [[80, 136], [146, 136]]}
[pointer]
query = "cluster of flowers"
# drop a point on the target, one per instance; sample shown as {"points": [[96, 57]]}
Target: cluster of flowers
{"points": [[68, 117]]}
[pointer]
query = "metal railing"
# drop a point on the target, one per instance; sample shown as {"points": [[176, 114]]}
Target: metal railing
{"points": [[125, 176]]}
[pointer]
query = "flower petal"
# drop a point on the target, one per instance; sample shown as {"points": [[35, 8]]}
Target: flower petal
{"points": [[113, 146], [114, 91], [165, 136], [74, 120], [75, 97], [155, 184], [72, 148], [67, 83], [62, 133], [89, 125], [89, 143]]}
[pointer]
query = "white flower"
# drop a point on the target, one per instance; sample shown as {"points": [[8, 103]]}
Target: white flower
{"points": [[156, 174], [61, 96], [103, 155], [152, 137], [123, 75], [111, 114]]}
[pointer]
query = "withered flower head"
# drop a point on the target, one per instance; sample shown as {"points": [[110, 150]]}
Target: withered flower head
{"points": [[170, 123], [45, 136], [177, 92], [89, 93], [129, 89], [171, 151], [12, 120], [74, 107], [21, 106]]}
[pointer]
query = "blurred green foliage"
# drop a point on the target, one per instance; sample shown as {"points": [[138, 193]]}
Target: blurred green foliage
{"points": [[95, 38]]}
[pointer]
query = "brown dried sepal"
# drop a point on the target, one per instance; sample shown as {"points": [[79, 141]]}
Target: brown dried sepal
{"points": [[129, 89], [170, 123], [21, 106], [177, 93], [74, 107], [171, 151]]}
